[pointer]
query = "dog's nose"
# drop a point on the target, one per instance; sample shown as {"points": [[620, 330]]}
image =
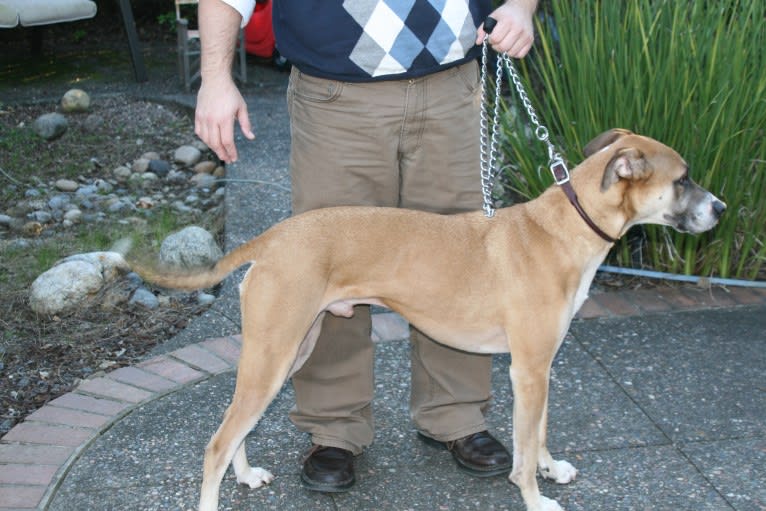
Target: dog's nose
{"points": [[718, 208]]}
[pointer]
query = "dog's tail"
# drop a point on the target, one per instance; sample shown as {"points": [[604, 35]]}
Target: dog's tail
{"points": [[198, 278]]}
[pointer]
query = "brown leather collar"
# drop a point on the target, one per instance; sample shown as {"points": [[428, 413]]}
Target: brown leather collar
{"points": [[572, 196]]}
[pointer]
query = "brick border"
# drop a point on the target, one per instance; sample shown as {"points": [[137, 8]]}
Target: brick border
{"points": [[36, 454]]}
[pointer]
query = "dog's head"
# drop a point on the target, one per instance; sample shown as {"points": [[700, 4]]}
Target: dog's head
{"points": [[657, 186]]}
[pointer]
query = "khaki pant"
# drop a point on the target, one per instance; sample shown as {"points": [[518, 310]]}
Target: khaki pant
{"points": [[406, 143]]}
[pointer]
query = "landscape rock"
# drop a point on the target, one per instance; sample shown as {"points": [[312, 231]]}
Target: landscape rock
{"points": [[143, 296], [73, 280], [50, 126], [66, 185], [205, 299], [158, 167], [140, 166], [191, 247], [204, 181], [75, 100], [187, 155], [110, 264], [205, 167], [121, 173]]}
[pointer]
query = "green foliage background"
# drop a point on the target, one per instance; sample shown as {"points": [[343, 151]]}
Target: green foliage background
{"points": [[690, 74]]}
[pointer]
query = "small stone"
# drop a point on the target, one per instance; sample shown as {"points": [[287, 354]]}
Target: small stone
{"points": [[187, 155], [205, 298], [103, 186], [205, 167], [50, 126], [199, 144], [220, 171], [121, 173], [42, 217], [158, 167], [181, 207], [75, 100], [203, 181], [66, 185], [73, 215], [151, 155], [59, 202], [176, 177], [140, 166], [86, 190], [144, 297]]}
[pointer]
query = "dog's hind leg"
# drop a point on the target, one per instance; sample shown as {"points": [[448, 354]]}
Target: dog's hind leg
{"points": [[241, 417], [271, 335]]}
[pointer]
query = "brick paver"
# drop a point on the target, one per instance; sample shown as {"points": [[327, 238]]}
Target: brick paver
{"points": [[35, 451], [172, 369], [91, 404], [106, 387], [68, 417], [227, 348], [142, 379], [201, 358]]}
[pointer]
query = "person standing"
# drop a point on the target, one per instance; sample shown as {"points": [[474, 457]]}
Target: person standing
{"points": [[384, 102]]}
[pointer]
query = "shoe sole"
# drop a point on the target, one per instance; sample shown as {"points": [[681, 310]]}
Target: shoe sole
{"points": [[326, 488], [461, 465]]}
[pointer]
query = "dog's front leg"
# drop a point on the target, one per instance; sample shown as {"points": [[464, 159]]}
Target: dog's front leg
{"points": [[530, 392], [559, 471]]}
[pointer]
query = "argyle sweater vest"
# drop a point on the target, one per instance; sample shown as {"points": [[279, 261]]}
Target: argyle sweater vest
{"points": [[367, 40]]}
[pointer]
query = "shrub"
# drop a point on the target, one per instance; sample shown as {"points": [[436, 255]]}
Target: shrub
{"points": [[687, 73]]}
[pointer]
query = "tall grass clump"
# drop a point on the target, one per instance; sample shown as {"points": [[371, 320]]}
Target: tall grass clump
{"points": [[690, 74]]}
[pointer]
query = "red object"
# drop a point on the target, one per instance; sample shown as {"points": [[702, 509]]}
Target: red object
{"points": [[259, 34]]}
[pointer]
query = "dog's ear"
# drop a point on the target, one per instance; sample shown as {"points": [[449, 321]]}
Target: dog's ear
{"points": [[627, 163], [605, 139]]}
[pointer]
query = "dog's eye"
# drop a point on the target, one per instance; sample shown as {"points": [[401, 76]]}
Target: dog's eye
{"points": [[683, 181]]}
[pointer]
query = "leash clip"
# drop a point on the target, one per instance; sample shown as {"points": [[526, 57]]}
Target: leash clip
{"points": [[559, 170]]}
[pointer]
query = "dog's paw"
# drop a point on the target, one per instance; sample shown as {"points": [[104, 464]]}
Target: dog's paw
{"points": [[547, 504], [255, 477], [560, 471]]}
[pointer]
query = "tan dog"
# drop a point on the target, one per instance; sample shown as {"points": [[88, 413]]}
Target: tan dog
{"points": [[469, 281]]}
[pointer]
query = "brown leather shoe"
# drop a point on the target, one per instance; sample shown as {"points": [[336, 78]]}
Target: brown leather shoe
{"points": [[479, 455], [328, 469]]}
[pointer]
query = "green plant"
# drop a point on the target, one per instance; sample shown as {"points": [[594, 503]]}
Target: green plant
{"points": [[687, 73], [79, 35], [167, 19]]}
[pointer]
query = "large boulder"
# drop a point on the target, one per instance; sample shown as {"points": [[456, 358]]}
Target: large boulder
{"points": [[73, 280], [191, 247], [50, 126]]}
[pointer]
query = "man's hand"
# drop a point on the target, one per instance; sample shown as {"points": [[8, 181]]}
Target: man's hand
{"points": [[514, 32], [219, 102]]}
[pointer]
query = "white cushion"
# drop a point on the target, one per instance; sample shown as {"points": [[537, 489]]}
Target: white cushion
{"points": [[9, 16], [45, 12]]}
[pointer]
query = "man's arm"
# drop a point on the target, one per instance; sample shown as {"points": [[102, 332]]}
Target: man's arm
{"points": [[514, 32], [219, 102]]}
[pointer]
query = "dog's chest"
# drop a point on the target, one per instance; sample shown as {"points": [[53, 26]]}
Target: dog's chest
{"points": [[585, 281]]}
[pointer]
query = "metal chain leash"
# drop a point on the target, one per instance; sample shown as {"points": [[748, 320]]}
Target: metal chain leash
{"points": [[488, 145], [488, 154]]}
